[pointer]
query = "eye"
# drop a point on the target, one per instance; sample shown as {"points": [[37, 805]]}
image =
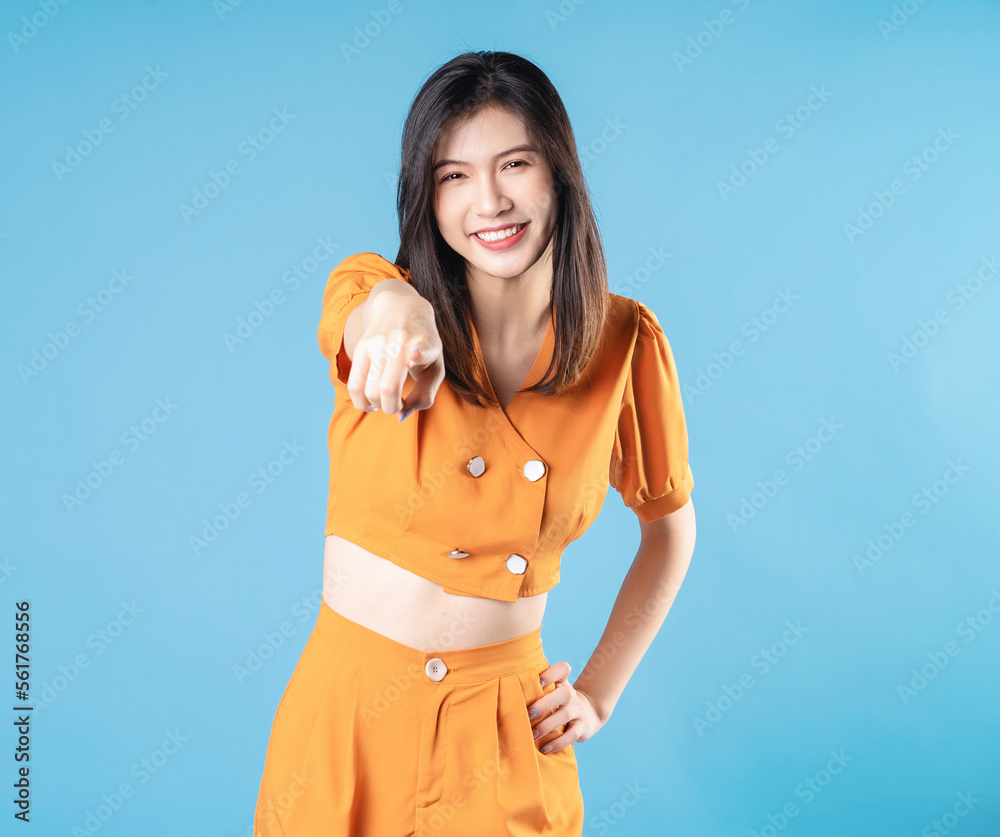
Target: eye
{"points": [[448, 177]]}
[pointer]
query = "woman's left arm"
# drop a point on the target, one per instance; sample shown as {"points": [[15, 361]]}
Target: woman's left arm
{"points": [[646, 594]]}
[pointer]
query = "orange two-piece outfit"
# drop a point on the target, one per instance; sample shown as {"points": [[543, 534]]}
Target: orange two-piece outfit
{"points": [[373, 738]]}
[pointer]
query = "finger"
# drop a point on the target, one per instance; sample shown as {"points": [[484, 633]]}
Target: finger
{"points": [[435, 376], [427, 378], [556, 744], [358, 379], [373, 379], [414, 362], [396, 370], [537, 710], [379, 386], [552, 712], [552, 723], [555, 673]]}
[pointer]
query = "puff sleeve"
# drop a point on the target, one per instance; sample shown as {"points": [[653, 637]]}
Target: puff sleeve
{"points": [[649, 462], [347, 287]]}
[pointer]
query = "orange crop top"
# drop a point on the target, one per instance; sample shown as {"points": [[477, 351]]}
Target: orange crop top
{"points": [[484, 501]]}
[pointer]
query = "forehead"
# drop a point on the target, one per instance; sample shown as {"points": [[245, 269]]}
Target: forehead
{"points": [[481, 135]]}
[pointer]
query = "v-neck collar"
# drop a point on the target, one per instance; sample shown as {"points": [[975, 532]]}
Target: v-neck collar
{"points": [[538, 366]]}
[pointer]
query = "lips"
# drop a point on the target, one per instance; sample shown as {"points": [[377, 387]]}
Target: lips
{"points": [[500, 234], [504, 240]]}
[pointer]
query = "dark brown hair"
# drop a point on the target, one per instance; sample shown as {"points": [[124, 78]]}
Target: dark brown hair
{"points": [[458, 90]]}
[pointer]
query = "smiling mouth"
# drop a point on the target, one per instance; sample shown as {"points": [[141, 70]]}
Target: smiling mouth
{"points": [[500, 235]]}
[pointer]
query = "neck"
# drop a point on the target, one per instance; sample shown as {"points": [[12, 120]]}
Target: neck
{"points": [[509, 311]]}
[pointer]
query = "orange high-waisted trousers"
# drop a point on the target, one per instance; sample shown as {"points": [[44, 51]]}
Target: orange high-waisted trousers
{"points": [[373, 738]]}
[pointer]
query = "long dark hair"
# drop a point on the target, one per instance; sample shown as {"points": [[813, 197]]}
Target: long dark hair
{"points": [[457, 90]]}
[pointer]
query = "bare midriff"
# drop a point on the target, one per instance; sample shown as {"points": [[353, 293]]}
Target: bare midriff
{"points": [[412, 610]]}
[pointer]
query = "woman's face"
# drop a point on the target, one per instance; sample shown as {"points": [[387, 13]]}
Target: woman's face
{"points": [[481, 182]]}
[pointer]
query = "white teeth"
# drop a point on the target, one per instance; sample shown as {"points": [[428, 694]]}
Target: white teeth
{"points": [[500, 234]]}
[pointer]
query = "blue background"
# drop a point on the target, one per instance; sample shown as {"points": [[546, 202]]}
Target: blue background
{"points": [[681, 125]]}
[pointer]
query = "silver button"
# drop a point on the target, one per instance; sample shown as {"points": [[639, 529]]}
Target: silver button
{"points": [[534, 469], [476, 466], [436, 669], [517, 564], [458, 553]]}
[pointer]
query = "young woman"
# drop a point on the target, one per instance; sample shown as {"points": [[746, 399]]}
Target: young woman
{"points": [[423, 702]]}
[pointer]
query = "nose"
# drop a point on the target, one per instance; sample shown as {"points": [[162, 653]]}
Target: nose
{"points": [[489, 198]]}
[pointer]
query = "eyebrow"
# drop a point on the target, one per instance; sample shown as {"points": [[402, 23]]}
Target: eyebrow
{"points": [[516, 148]]}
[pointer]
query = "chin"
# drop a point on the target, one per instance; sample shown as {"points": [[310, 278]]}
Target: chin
{"points": [[504, 270]]}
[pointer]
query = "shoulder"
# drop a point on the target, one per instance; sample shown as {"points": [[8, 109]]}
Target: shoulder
{"points": [[370, 263], [623, 315], [633, 320]]}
